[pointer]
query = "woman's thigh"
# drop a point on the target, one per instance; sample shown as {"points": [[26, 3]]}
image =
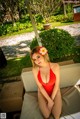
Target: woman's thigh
{"points": [[57, 107], [43, 105]]}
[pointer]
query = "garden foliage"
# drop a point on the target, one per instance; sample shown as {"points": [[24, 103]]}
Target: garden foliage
{"points": [[59, 43]]}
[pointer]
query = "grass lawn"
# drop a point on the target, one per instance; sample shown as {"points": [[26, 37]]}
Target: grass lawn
{"points": [[39, 27], [16, 33], [15, 66], [54, 24]]}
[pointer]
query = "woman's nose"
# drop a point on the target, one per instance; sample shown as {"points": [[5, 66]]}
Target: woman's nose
{"points": [[38, 60]]}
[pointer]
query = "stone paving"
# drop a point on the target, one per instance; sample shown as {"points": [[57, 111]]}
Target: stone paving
{"points": [[18, 45], [73, 29]]}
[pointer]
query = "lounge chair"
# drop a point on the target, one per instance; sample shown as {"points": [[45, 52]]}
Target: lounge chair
{"points": [[70, 91]]}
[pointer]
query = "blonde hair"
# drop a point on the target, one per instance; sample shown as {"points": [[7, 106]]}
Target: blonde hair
{"points": [[36, 50]]}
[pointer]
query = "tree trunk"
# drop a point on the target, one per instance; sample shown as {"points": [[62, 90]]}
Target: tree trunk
{"points": [[64, 9], [3, 61], [33, 23]]}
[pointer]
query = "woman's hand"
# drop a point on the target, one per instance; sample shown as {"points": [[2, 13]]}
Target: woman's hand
{"points": [[50, 104]]}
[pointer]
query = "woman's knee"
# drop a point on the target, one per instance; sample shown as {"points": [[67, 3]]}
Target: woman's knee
{"points": [[46, 115], [56, 115], [56, 112]]}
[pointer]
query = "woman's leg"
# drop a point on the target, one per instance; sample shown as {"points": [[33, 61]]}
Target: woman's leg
{"points": [[57, 107], [43, 105]]}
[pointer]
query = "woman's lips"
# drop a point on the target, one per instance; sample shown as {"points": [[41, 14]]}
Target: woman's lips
{"points": [[39, 62]]}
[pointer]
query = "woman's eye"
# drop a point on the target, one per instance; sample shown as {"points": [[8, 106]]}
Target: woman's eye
{"points": [[34, 60], [38, 56]]}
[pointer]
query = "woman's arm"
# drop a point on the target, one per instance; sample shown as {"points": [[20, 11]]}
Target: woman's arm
{"points": [[56, 87]]}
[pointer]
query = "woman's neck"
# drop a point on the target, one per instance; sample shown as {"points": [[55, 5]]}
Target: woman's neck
{"points": [[46, 64]]}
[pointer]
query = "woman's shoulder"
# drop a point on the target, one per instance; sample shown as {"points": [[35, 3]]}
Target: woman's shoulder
{"points": [[54, 65], [35, 69]]}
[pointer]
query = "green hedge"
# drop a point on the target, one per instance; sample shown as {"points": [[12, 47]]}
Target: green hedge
{"points": [[34, 43], [58, 42], [76, 57]]}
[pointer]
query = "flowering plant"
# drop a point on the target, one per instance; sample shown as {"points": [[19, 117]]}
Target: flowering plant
{"points": [[43, 51]]}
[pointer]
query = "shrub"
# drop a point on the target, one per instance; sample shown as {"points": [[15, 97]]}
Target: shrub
{"points": [[38, 18], [62, 18], [58, 42], [25, 18], [34, 43], [76, 57]]}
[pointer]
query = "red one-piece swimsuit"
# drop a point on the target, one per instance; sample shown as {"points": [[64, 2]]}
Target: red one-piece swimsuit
{"points": [[50, 85]]}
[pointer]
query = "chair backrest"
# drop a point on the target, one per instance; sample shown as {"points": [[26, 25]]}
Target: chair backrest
{"points": [[28, 80], [69, 75]]}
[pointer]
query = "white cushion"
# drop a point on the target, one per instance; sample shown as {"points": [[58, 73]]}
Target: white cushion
{"points": [[29, 81], [69, 75]]}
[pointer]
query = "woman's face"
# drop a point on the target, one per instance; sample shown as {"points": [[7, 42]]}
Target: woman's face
{"points": [[38, 59]]}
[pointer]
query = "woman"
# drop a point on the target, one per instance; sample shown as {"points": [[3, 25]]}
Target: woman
{"points": [[47, 78]]}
